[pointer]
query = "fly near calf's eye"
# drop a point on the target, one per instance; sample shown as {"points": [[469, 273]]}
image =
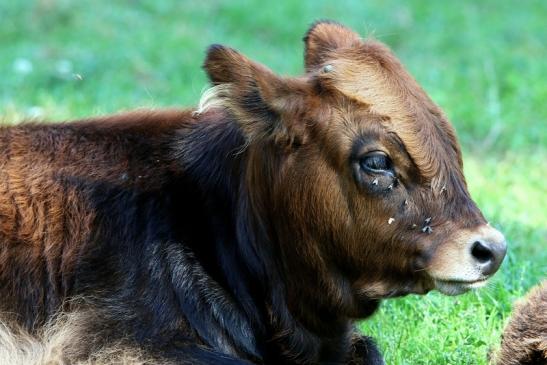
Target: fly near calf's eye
{"points": [[376, 162]]}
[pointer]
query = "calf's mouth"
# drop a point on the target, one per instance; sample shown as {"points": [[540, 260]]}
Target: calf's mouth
{"points": [[467, 260]]}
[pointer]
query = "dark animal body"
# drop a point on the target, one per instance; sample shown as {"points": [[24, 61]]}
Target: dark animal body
{"points": [[524, 340], [254, 229]]}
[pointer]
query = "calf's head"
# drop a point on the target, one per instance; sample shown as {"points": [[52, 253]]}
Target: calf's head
{"points": [[356, 171]]}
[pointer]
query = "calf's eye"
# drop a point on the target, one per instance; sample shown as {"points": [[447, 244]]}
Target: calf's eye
{"points": [[376, 162]]}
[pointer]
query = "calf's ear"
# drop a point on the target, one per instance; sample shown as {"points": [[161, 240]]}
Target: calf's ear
{"points": [[323, 39], [261, 101]]}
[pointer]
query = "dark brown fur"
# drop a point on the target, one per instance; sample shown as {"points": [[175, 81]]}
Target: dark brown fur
{"points": [[46, 218], [524, 340], [248, 229]]}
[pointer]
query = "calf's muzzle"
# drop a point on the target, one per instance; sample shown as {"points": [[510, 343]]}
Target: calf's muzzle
{"points": [[489, 254]]}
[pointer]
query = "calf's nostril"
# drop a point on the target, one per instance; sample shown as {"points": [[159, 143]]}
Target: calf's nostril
{"points": [[481, 252]]}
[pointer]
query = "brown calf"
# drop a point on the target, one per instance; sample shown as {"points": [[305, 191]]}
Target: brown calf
{"points": [[256, 228]]}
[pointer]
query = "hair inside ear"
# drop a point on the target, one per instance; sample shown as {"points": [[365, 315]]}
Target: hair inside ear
{"points": [[261, 101]]}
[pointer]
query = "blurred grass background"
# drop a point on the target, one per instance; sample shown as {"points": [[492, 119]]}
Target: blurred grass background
{"points": [[483, 62]]}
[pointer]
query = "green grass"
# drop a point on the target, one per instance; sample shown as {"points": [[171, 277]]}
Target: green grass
{"points": [[483, 62]]}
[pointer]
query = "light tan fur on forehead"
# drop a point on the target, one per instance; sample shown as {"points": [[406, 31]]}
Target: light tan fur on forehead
{"points": [[371, 75]]}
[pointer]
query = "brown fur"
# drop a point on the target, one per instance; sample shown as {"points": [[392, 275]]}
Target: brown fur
{"points": [[524, 340], [44, 219]]}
